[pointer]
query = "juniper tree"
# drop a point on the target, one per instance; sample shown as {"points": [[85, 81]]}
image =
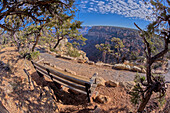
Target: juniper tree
{"points": [[116, 48], [160, 28], [36, 12]]}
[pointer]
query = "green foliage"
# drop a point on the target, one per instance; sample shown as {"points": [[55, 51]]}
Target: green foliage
{"points": [[73, 52], [136, 91], [33, 55], [115, 48], [135, 97], [29, 55], [53, 50]]}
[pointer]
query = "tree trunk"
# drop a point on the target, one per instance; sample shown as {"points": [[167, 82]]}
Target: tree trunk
{"points": [[148, 72], [145, 100], [58, 41], [17, 41], [36, 42]]}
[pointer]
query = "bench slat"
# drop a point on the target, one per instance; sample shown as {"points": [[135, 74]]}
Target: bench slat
{"points": [[69, 74], [62, 80], [83, 92], [78, 81], [93, 78]]}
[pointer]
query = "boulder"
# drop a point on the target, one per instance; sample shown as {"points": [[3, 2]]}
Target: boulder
{"points": [[99, 64], [136, 69], [128, 67], [90, 62], [107, 65], [126, 62], [53, 53], [81, 60], [67, 57], [119, 66], [128, 85], [58, 55], [70, 71], [102, 99], [8, 88], [111, 83], [143, 70], [100, 81], [52, 65], [46, 63], [159, 72]]}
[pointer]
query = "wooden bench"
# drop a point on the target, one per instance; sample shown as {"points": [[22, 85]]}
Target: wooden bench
{"points": [[74, 82]]}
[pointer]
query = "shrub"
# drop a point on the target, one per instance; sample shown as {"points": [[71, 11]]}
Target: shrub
{"points": [[33, 55], [29, 55], [73, 53]]}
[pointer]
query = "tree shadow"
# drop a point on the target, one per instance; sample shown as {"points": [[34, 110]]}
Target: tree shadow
{"points": [[16, 93], [67, 98]]}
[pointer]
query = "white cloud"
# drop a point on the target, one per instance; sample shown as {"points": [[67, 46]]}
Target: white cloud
{"points": [[128, 8]]}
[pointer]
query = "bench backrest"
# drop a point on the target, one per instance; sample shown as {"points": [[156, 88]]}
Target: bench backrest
{"points": [[74, 82]]}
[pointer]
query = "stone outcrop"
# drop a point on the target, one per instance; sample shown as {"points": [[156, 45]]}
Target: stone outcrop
{"points": [[129, 67], [102, 99], [90, 62], [128, 85], [81, 60], [100, 81], [120, 66], [136, 69], [111, 83]]}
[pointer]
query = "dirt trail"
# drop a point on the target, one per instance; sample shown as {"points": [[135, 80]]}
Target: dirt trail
{"points": [[88, 70]]}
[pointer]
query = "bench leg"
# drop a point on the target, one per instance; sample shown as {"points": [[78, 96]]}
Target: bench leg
{"points": [[40, 75], [57, 85], [88, 95]]}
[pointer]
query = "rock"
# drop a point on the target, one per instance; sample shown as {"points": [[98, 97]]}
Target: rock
{"points": [[67, 57], [143, 71], [90, 62], [128, 67], [99, 64], [58, 55], [128, 85], [81, 61], [51, 65], [119, 66], [107, 65], [70, 71], [102, 99], [8, 89], [159, 72], [126, 62], [100, 81], [53, 53], [46, 63], [83, 55], [136, 69], [111, 83]]}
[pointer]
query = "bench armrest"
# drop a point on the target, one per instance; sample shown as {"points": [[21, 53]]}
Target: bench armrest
{"points": [[93, 79]]}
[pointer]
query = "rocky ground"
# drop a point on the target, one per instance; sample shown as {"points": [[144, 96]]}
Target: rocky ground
{"points": [[21, 92]]}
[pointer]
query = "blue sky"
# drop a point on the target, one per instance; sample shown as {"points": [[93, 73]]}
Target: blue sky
{"points": [[122, 13]]}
